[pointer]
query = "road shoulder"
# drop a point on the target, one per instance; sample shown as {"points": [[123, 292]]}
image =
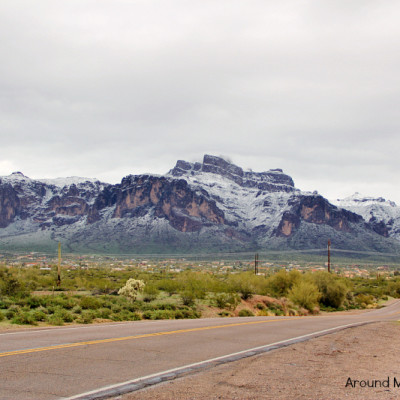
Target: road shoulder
{"points": [[322, 368]]}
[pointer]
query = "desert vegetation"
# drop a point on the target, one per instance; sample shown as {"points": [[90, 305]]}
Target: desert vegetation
{"points": [[29, 295]]}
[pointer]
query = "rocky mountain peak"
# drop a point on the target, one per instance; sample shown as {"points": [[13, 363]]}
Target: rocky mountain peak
{"points": [[273, 180]]}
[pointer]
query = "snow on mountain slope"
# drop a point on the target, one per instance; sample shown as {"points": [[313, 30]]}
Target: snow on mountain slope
{"points": [[207, 206], [248, 199], [44, 202], [374, 210], [16, 177], [249, 207]]}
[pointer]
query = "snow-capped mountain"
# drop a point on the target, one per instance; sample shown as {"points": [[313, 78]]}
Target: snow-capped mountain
{"points": [[383, 215], [196, 207]]}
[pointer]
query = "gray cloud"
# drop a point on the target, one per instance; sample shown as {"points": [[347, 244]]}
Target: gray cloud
{"points": [[107, 88]]}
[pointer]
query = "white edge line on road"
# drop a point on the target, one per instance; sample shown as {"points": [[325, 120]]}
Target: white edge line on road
{"points": [[143, 378]]}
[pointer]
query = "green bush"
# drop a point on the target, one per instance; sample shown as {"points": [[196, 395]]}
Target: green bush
{"points": [[364, 300], [116, 308], [305, 294], [86, 317], [23, 318], [103, 313], [226, 300], [10, 285], [224, 314], [77, 309], [333, 291], [39, 315], [246, 313], [5, 303], [188, 298], [243, 284], [55, 320], [260, 306], [65, 315], [90, 303], [170, 286], [280, 283], [150, 292], [2, 316], [12, 310]]}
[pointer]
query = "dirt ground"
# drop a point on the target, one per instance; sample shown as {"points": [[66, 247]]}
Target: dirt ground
{"points": [[318, 369]]}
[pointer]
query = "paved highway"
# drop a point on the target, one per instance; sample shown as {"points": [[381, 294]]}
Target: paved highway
{"points": [[61, 363]]}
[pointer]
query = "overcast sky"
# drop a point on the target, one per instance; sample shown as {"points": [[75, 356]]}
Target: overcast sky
{"points": [[107, 88]]}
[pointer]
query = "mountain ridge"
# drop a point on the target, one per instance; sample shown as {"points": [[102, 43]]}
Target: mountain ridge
{"points": [[206, 207]]}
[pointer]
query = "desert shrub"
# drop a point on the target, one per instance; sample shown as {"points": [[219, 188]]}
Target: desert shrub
{"points": [[260, 306], [2, 316], [33, 301], [246, 313], [126, 315], [190, 313], [179, 314], [116, 308], [12, 310], [163, 306], [132, 288], [394, 288], [90, 303], [364, 300], [275, 308], [5, 303], [224, 314], [226, 300], [243, 284], [150, 292], [163, 314], [61, 300], [132, 306], [65, 315], [305, 294], [171, 314], [39, 315], [55, 320], [170, 286], [23, 318], [86, 317], [103, 313], [135, 316], [333, 291], [10, 285], [280, 283], [188, 297], [77, 309], [147, 314], [197, 284]]}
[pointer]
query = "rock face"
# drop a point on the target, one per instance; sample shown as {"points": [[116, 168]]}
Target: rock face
{"points": [[172, 200], [211, 206], [9, 204]]}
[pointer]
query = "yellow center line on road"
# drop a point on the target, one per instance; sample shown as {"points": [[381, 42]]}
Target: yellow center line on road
{"points": [[111, 340]]}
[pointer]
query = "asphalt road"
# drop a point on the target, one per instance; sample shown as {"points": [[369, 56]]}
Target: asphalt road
{"points": [[60, 363]]}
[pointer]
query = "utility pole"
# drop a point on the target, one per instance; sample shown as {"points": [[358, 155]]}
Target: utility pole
{"points": [[329, 255], [59, 265], [256, 264]]}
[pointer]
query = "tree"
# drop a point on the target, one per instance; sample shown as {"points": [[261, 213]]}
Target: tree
{"points": [[132, 288]]}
